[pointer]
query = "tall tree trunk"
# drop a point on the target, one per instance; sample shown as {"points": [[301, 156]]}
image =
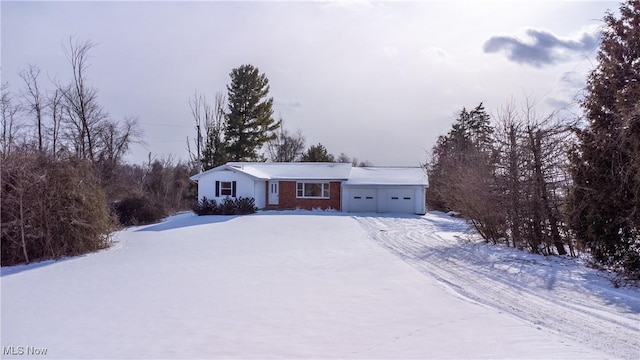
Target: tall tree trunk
{"points": [[514, 187], [543, 207], [24, 242]]}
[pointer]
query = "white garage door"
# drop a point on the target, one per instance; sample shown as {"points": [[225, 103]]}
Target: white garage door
{"points": [[400, 200], [363, 200]]}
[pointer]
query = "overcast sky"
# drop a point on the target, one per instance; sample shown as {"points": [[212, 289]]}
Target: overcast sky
{"points": [[379, 81]]}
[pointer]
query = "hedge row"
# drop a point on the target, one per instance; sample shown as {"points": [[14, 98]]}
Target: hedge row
{"points": [[228, 206]]}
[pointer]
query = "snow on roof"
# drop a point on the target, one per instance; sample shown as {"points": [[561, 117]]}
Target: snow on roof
{"points": [[327, 171], [288, 171], [387, 176]]}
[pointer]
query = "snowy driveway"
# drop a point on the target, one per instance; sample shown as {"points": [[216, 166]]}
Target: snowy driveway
{"points": [[551, 292], [306, 285]]}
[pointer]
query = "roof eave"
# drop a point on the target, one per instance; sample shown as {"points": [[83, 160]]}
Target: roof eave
{"points": [[223, 167], [382, 184]]}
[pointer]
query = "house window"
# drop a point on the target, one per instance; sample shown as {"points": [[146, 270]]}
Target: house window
{"points": [[226, 188], [313, 190]]}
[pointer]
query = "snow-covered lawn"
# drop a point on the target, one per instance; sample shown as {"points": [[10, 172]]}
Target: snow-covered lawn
{"points": [[314, 285]]}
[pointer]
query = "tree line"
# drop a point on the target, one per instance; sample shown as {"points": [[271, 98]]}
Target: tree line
{"points": [[63, 181], [551, 185], [241, 127]]}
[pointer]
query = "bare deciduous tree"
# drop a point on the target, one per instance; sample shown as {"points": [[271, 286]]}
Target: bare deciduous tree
{"points": [[211, 151], [113, 140], [81, 100], [531, 173], [10, 125], [509, 143], [34, 98], [343, 158], [286, 147], [56, 112]]}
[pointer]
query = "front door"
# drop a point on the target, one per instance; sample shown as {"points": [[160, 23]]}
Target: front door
{"points": [[273, 193]]}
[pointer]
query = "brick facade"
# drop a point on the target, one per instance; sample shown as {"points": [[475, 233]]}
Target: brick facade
{"points": [[289, 200]]}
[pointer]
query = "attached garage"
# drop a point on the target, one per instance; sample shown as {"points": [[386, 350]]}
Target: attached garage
{"points": [[363, 200], [400, 200], [385, 190]]}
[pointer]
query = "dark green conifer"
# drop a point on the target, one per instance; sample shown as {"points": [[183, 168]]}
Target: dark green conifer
{"points": [[605, 199], [250, 122]]}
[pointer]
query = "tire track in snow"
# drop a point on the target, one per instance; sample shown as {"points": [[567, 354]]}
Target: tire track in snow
{"points": [[427, 244]]}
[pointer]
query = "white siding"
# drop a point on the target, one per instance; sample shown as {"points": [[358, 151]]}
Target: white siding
{"points": [[260, 191], [245, 185], [421, 200]]}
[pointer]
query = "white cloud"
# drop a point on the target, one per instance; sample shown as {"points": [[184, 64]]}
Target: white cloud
{"points": [[351, 5], [390, 51], [434, 53]]}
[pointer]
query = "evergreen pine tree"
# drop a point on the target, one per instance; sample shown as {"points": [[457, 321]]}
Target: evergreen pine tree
{"points": [[605, 199], [249, 120], [317, 153], [215, 152], [461, 172]]}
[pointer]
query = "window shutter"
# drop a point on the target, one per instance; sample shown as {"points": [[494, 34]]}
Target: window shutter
{"points": [[217, 188], [233, 189]]}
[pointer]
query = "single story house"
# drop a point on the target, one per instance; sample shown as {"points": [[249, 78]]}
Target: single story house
{"points": [[336, 186]]}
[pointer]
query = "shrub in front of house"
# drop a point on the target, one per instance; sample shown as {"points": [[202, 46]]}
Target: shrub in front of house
{"points": [[246, 205], [228, 206], [205, 206]]}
